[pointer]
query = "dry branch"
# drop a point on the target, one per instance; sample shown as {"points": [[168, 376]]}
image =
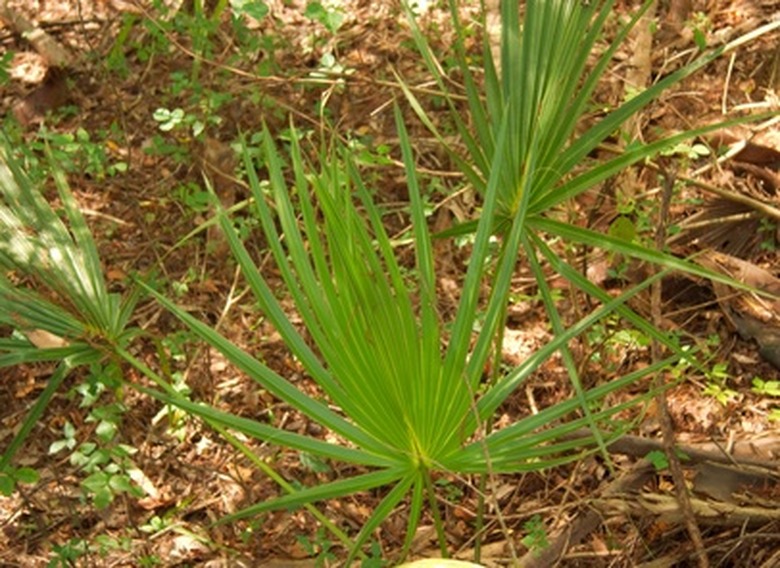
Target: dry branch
{"points": [[55, 54]]}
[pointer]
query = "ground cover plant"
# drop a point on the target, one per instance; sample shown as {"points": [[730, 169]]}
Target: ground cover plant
{"points": [[67, 315], [407, 398]]}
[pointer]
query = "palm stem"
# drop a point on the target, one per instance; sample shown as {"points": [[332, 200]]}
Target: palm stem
{"points": [[437, 520]]}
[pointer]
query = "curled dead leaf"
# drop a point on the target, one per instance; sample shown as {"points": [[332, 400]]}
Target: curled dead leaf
{"points": [[43, 339]]}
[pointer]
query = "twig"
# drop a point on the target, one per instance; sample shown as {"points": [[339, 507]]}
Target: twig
{"points": [[667, 428], [639, 69], [725, 97], [637, 446], [55, 54], [734, 196]]}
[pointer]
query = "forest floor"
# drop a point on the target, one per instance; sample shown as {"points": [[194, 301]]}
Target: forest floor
{"points": [[141, 186]]}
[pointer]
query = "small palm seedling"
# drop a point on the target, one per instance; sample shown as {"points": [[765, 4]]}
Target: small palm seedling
{"points": [[540, 95], [407, 400], [524, 111], [541, 88], [410, 402], [52, 291]]}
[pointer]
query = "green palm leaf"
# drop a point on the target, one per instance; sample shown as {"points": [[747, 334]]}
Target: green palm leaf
{"points": [[63, 309]]}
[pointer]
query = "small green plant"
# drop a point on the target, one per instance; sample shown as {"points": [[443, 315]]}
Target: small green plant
{"points": [[193, 196], [182, 286], [768, 230], [67, 554], [106, 462], [177, 119], [68, 440], [688, 150], [716, 384], [150, 561], [106, 544], [105, 483], [169, 119], [177, 419], [517, 298], [375, 558], [329, 67], [659, 460], [766, 388], [769, 389], [11, 476], [610, 339], [452, 491], [313, 463], [161, 146], [701, 24], [107, 465], [256, 9], [368, 155], [5, 63], [536, 537], [318, 547], [250, 43], [116, 61], [329, 16], [155, 41], [73, 152], [173, 353], [155, 525]]}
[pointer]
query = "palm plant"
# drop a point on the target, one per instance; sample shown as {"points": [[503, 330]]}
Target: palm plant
{"points": [[411, 402], [52, 292], [409, 399], [539, 90], [541, 95]]}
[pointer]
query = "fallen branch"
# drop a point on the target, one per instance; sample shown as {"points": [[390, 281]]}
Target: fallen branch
{"points": [[665, 418], [614, 499], [581, 527], [707, 511], [639, 447], [55, 54], [735, 196]]}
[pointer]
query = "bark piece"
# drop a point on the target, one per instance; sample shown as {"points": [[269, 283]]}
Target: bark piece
{"points": [[755, 316], [51, 94], [734, 485], [55, 54]]}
